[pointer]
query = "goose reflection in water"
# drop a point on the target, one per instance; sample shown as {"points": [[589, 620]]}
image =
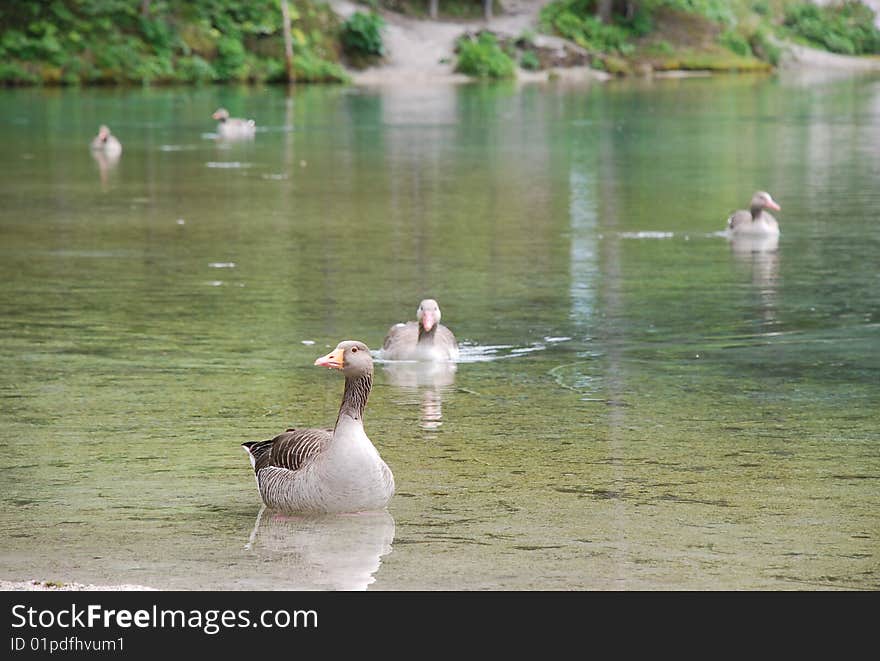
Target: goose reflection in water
{"points": [[760, 254], [107, 162], [428, 380], [329, 552]]}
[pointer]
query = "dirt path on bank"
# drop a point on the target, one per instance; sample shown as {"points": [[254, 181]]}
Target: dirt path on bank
{"points": [[422, 50]]}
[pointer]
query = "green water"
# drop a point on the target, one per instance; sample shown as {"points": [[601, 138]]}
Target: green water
{"points": [[640, 404]]}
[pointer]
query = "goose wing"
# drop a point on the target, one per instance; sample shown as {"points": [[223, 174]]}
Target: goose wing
{"points": [[739, 218], [400, 337], [446, 337], [290, 450]]}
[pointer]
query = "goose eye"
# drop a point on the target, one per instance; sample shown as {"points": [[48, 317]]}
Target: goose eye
{"points": [[354, 349]]}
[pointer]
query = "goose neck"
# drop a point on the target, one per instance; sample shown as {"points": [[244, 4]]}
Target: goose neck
{"points": [[355, 396]]}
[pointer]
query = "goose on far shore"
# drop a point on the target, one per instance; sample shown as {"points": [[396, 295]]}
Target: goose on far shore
{"points": [[327, 470], [423, 339], [755, 220], [233, 127], [106, 142]]}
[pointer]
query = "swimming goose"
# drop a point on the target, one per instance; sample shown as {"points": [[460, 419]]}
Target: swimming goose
{"points": [[233, 127], [756, 220], [327, 470], [423, 339], [106, 142]]}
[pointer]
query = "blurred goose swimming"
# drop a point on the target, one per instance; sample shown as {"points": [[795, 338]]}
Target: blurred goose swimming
{"points": [[106, 142], [423, 339], [327, 470], [233, 127], [756, 220]]}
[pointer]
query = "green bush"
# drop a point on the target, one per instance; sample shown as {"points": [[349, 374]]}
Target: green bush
{"points": [[735, 42], [362, 34], [576, 20], [530, 61], [310, 68], [847, 28], [12, 73], [719, 11], [195, 69], [761, 7], [763, 46], [230, 64], [483, 57]]}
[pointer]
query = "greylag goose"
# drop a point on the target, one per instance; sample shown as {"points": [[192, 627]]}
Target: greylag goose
{"points": [[233, 127], [423, 339], [756, 220], [106, 142], [327, 470]]}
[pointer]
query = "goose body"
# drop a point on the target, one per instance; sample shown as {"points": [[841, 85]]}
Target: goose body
{"points": [[327, 470], [756, 220], [106, 143], [423, 339], [233, 127]]}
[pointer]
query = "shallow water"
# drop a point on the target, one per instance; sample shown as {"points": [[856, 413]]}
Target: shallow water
{"points": [[640, 404]]}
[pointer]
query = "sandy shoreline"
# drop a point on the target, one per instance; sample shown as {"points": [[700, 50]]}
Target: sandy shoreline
{"points": [[58, 586]]}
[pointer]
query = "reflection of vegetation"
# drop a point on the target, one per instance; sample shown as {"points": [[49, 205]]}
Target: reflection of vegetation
{"points": [[848, 28], [118, 41], [483, 57]]}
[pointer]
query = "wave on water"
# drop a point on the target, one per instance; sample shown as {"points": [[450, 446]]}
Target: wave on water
{"points": [[227, 164], [483, 353], [650, 234], [646, 235]]}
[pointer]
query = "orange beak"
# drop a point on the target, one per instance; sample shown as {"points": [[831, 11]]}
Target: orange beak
{"points": [[333, 360]]}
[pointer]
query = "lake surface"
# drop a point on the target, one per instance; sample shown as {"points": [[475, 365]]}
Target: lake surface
{"points": [[640, 403]]}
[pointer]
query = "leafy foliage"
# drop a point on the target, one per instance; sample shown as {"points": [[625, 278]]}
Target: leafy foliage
{"points": [[116, 41], [529, 61], [847, 28], [483, 57], [735, 42], [719, 11], [764, 47], [446, 8], [362, 34], [576, 20]]}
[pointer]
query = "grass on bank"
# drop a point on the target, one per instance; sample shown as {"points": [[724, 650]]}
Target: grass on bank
{"points": [[708, 34]]}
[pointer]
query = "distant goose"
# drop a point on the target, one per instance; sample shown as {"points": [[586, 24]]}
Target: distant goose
{"points": [[327, 470], [106, 142], [756, 220], [423, 339], [233, 127]]}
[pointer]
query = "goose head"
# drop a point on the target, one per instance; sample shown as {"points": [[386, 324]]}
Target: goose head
{"points": [[351, 357], [103, 133], [762, 200], [221, 114], [428, 314]]}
